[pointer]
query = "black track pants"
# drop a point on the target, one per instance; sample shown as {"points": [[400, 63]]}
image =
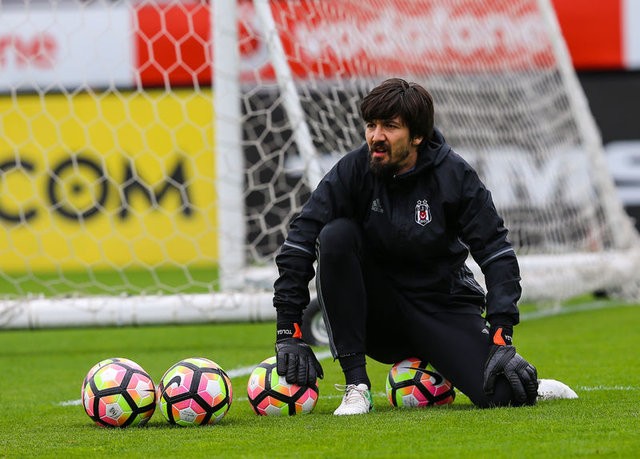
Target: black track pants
{"points": [[365, 313]]}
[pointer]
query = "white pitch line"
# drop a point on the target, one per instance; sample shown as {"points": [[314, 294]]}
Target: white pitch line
{"points": [[233, 373], [71, 402], [241, 372], [608, 388], [245, 371]]}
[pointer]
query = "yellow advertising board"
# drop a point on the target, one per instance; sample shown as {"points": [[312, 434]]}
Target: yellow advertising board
{"points": [[107, 181]]}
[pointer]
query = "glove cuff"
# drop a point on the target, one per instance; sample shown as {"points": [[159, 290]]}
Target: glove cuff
{"points": [[501, 335], [287, 329], [288, 324]]}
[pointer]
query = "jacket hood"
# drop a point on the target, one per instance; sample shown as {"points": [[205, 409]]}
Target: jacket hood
{"points": [[433, 152]]}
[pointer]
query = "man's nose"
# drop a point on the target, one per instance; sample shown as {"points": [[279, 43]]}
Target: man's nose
{"points": [[377, 134]]}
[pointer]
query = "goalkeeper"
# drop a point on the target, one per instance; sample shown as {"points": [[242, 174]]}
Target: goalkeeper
{"points": [[391, 226]]}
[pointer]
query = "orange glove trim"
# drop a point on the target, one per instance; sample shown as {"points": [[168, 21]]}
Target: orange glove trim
{"points": [[498, 339], [297, 332]]}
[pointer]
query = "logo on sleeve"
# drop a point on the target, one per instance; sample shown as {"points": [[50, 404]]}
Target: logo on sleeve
{"points": [[423, 212]]}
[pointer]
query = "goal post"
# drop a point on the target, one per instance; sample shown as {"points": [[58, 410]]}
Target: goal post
{"points": [[228, 143], [153, 153]]}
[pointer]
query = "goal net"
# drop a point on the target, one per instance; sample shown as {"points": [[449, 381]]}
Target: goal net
{"points": [[153, 153]]}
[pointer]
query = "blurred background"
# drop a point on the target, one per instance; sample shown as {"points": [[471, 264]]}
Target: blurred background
{"points": [[116, 178], [604, 41]]}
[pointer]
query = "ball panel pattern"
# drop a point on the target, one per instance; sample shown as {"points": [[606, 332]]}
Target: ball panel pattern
{"points": [[194, 391], [118, 393], [411, 383], [270, 394]]}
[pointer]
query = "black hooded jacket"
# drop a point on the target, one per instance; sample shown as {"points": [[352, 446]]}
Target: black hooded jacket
{"points": [[421, 225]]}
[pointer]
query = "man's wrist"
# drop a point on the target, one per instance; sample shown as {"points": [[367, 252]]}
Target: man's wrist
{"points": [[288, 329], [288, 323], [501, 335]]}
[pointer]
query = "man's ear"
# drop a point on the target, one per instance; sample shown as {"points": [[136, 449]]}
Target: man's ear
{"points": [[416, 141]]}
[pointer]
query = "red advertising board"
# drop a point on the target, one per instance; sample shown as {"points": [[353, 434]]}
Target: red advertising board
{"points": [[593, 30], [173, 42], [127, 44]]}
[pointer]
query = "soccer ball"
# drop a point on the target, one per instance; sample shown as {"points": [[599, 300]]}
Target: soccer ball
{"points": [[194, 391], [271, 395], [104, 362], [412, 384], [117, 392]]}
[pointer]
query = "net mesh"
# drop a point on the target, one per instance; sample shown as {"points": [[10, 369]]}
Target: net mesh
{"points": [[501, 101], [107, 148]]}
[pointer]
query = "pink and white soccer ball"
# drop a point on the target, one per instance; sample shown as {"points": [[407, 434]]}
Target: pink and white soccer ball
{"points": [[194, 391], [413, 383], [117, 392], [271, 395]]}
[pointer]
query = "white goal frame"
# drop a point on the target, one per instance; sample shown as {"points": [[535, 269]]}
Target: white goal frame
{"points": [[245, 290]]}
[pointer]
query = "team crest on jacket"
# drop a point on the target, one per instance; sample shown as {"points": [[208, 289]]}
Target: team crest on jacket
{"points": [[423, 212]]}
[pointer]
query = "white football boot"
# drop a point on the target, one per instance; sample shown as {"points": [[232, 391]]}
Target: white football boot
{"points": [[550, 389], [356, 400]]}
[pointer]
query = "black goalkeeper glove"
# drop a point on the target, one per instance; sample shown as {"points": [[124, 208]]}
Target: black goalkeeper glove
{"points": [[504, 360], [295, 360]]}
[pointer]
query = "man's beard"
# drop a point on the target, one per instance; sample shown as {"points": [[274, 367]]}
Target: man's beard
{"points": [[383, 170], [387, 169]]}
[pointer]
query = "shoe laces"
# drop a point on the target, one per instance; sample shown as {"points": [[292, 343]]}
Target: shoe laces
{"points": [[352, 393]]}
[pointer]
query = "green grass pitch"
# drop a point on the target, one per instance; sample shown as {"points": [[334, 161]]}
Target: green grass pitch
{"points": [[592, 349]]}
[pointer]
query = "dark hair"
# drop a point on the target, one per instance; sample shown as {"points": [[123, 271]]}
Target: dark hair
{"points": [[396, 97]]}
